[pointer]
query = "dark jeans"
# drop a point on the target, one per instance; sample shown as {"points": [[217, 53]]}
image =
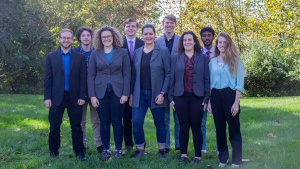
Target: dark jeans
{"points": [[55, 118], [189, 109], [110, 111], [127, 122], [221, 103], [138, 118]]}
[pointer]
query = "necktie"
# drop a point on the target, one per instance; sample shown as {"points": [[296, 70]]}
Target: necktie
{"points": [[131, 48], [208, 57]]}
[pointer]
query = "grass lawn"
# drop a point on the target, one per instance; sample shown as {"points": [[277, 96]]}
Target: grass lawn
{"points": [[270, 130]]}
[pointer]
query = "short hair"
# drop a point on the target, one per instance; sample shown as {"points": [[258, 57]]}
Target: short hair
{"points": [[207, 29], [197, 46], [148, 26], [170, 17], [65, 30], [117, 37], [80, 30], [128, 20]]}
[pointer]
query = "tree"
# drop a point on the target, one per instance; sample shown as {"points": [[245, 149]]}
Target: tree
{"points": [[24, 42]]}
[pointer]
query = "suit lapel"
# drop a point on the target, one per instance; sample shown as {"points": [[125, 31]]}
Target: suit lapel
{"points": [[72, 59], [126, 44], [181, 60], [154, 53], [102, 56], [175, 44], [197, 59], [138, 55], [59, 60], [115, 55]]}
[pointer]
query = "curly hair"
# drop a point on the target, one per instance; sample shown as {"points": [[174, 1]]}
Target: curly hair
{"points": [[117, 37], [80, 30], [231, 54], [197, 46]]}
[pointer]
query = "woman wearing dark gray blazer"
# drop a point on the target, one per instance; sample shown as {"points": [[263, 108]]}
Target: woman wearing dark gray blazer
{"points": [[189, 91], [149, 84], [109, 85]]}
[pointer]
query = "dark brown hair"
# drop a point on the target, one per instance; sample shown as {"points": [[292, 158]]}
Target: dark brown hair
{"points": [[197, 46]]}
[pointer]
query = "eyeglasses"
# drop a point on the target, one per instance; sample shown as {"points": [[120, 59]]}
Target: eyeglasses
{"points": [[106, 37], [66, 38]]}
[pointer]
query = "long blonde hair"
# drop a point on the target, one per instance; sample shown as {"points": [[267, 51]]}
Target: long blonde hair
{"points": [[232, 56]]}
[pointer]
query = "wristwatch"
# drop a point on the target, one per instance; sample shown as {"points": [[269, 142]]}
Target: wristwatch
{"points": [[163, 93]]}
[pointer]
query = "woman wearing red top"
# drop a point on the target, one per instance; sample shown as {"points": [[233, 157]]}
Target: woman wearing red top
{"points": [[189, 91]]}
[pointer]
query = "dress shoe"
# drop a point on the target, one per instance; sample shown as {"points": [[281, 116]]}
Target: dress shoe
{"points": [[54, 155], [100, 149], [183, 160], [81, 156], [138, 154]]}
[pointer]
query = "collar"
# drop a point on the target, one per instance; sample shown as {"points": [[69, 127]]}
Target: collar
{"points": [[171, 38], [68, 53], [81, 49], [127, 39], [212, 50]]}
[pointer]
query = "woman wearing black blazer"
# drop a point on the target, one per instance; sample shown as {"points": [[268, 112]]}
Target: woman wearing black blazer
{"points": [[109, 85], [189, 91]]}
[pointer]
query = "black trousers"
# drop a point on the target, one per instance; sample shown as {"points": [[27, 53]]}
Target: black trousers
{"points": [[189, 110], [55, 118], [127, 124], [221, 103]]}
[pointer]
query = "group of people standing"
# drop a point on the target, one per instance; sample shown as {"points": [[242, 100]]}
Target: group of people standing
{"points": [[120, 78]]}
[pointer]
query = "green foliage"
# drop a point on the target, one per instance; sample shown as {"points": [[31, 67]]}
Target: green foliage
{"points": [[270, 71], [25, 40]]}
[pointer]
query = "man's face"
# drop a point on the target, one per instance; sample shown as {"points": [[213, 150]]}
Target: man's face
{"points": [[168, 25], [65, 40], [85, 38], [207, 38], [130, 29]]}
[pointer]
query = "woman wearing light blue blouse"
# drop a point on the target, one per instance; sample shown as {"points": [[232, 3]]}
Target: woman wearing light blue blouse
{"points": [[227, 84]]}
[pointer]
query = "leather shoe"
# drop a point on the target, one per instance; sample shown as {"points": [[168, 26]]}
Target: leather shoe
{"points": [[81, 156], [53, 154]]}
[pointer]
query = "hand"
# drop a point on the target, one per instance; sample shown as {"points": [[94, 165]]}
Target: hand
{"points": [[204, 106], [209, 108], [80, 102], [159, 99], [173, 105], [48, 103], [234, 109], [130, 100], [95, 102], [123, 99]]}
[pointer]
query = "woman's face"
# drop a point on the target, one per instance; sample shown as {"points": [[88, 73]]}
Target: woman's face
{"points": [[148, 36], [107, 38], [188, 42], [222, 44]]}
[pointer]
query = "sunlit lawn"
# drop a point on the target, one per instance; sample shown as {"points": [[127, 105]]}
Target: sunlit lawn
{"points": [[270, 130]]}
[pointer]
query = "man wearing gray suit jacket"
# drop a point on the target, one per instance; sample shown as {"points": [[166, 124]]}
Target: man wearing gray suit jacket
{"points": [[170, 40]]}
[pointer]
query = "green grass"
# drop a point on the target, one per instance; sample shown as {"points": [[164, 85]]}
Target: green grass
{"points": [[24, 117]]}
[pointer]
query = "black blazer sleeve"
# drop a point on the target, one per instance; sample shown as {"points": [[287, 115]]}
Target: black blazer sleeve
{"points": [[48, 79]]}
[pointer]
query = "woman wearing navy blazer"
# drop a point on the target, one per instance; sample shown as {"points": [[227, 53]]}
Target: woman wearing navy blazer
{"points": [[109, 85], [149, 85], [189, 91]]}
